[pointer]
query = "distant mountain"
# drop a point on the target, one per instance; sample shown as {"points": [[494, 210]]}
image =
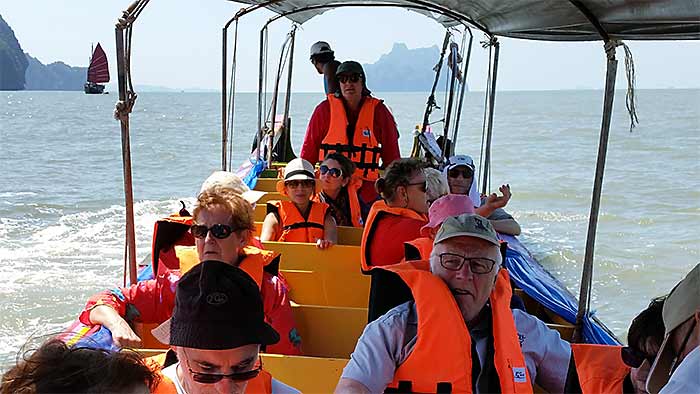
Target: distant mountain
{"points": [[54, 76], [405, 70], [12, 60]]}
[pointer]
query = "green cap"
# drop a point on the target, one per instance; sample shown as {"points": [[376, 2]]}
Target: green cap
{"points": [[680, 306], [350, 67], [467, 225]]}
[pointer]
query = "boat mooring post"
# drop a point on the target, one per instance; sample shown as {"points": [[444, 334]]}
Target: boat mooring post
{"points": [[584, 299], [492, 102]]}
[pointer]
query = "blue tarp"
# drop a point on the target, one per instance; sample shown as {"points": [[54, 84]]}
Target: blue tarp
{"points": [[539, 284]]}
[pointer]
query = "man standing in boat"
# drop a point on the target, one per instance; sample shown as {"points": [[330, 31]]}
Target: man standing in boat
{"points": [[217, 331], [357, 125], [459, 334], [323, 59]]}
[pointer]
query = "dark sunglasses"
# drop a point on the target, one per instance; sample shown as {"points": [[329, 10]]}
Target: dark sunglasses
{"points": [[633, 358], [220, 231], [456, 172], [211, 378], [349, 78], [334, 172], [422, 186], [299, 183]]}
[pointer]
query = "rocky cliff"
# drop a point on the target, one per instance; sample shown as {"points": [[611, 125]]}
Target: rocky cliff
{"points": [[13, 63]]}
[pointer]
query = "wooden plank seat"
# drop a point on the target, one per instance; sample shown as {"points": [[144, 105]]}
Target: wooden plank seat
{"points": [[266, 184], [329, 331], [328, 287], [346, 235], [272, 196], [307, 257]]}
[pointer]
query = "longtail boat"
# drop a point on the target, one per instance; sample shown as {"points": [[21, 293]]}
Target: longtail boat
{"points": [[328, 290]]}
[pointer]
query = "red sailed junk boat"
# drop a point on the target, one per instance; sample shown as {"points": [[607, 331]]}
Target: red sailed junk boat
{"points": [[98, 72]]}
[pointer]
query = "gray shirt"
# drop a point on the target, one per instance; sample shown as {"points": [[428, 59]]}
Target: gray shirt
{"points": [[388, 341]]}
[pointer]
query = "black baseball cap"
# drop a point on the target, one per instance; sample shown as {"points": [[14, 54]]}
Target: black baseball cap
{"points": [[217, 306]]}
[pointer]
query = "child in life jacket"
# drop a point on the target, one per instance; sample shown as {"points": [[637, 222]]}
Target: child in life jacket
{"points": [[300, 219]]}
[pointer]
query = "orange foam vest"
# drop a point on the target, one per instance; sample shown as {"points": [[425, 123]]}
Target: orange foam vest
{"points": [[253, 263], [364, 150], [600, 368], [294, 227], [261, 384], [378, 210], [422, 247], [439, 317]]}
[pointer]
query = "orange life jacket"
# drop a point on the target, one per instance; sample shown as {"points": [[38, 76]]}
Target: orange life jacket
{"points": [[600, 368], [253, 263], [167, 232], [378, 210], [443, 335], [294, 227], [364, 150], [355, 212], [418, 249], [261, 384]]}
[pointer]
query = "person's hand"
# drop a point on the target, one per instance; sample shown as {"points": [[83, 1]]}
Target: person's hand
{"points": [[323, 243], [123, 336], [495, 201]]}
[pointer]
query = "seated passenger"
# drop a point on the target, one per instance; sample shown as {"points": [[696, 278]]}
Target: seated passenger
{"points": [[223, 223], [436, 184], [339, 188], [355, 124], [56, 368], [426, 345], [301, 219], [644, 338], [217, 330], [460, 176], [396, 219]]}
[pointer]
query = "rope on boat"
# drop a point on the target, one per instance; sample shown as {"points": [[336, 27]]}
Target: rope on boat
{"points": [[630, 95]]}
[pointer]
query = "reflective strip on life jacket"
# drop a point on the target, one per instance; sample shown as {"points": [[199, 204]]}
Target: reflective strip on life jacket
{"points": [[253, 263], [600, 368], [364, 150], [293, 225], [378, 210], [439, 318]]}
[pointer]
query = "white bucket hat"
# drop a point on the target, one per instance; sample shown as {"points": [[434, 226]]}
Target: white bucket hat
{"points": [[299, 169]]}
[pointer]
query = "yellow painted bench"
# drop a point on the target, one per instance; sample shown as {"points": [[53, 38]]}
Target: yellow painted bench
{"points": [[272, 196], [346, 235], [266, 184], [328, 287], [328, 331], [307, 257]]}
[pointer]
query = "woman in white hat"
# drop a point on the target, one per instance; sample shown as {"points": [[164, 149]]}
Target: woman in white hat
{"points": [[300, 219]]}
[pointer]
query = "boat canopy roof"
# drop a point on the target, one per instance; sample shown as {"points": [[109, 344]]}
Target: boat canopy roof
{"points": [[550, 20]]}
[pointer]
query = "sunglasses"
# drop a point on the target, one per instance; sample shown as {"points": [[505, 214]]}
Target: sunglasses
{"points": [[456, 172], [422, 186], [334, 172], [211, 378], [349, 78], [307, 183], [220, 231], [633, 358]]}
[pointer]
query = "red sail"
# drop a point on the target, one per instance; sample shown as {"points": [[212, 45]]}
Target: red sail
{"points": [[98, 72]]}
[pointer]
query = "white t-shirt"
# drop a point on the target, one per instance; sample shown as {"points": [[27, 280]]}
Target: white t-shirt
{"points": [[277, 386], [686, 378], [388, 341]]}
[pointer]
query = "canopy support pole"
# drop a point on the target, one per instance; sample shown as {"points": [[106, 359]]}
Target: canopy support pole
{"points": [[288, 93], [465, 69], [489, 128], [123, 108], [587, 275]]}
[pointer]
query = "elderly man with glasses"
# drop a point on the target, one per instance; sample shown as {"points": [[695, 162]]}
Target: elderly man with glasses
{"points": [[459, 333], [355, 124]]}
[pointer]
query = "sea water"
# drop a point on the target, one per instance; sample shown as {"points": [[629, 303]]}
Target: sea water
{"points": [[62, 200]]}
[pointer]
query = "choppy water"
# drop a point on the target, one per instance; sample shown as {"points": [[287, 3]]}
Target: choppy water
{"points": [[61, 191]]}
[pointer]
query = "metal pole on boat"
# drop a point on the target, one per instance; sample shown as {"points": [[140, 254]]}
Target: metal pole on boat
{"points": [[224, 126], [587, 275], [465, 69], [288, 95], [489, 129], [260, 88], [448, 111]]}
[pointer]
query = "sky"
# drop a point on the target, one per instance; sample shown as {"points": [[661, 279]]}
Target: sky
{"points": [[177, 44]]}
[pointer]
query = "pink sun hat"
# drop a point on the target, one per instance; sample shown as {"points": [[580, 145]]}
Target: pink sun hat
{"points": [[444, 207]]}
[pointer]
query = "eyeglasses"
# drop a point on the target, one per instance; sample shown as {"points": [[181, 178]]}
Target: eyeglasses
{"points": [[478, 265], [211, 378], [456, 172], [633, 358], [306, 183], [220, 231], [349, 78], [422, 186], [334, 172]]}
